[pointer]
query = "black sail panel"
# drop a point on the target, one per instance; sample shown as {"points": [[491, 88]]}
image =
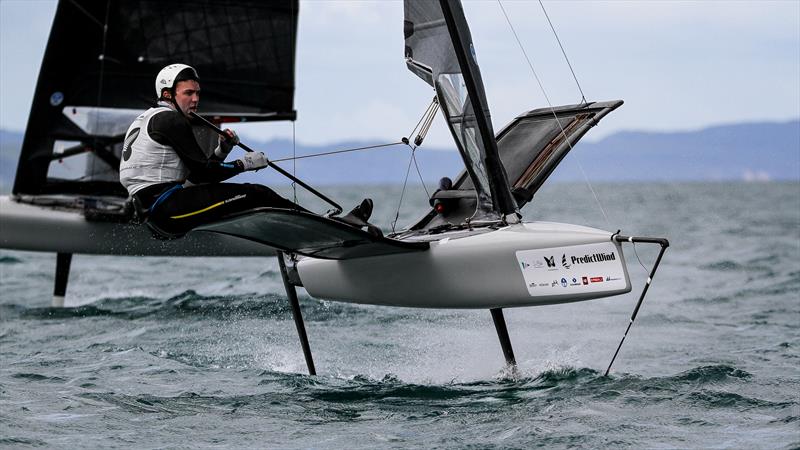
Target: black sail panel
{"points": [[243, 51], [105, 55], [439, 50]]}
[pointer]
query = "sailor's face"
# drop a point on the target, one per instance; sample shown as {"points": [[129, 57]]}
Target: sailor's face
{"points": [[187, 95]]}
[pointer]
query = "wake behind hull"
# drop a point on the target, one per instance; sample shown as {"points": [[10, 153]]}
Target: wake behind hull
{"points": [[520, 265]]}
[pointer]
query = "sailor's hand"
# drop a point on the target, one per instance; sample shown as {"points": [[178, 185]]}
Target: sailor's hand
{"points": [[254, 161], [226, 143]]}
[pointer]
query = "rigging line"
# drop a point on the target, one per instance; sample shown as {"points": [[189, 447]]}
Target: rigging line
{"points": [[83, 10], [424, 115], [426, 126], [425, 120], [421, 180], [563, 52], [294, 162], [525, 54], [637, 257], [553, 111], [354, 149], [334, 152], [421, 119], [589, 185], [402, 193]]}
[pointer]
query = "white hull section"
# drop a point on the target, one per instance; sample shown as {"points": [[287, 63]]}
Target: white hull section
{"points": [[526, 264], [39, 228]]}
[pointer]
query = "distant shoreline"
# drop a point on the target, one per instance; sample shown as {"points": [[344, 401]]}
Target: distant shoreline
{"points": [[747, 152]]}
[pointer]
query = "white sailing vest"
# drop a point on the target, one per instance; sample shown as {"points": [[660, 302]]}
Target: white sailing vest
{"points": [[144, 161]]}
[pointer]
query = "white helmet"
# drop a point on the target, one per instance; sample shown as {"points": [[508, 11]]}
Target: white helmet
{"points": [[169, 76]]}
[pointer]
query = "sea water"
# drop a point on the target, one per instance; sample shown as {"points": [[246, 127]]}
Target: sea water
{"points": [[202, 352]]}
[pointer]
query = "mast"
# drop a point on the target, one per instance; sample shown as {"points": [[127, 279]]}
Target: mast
{"points": [[439, 50], [465, 51]]}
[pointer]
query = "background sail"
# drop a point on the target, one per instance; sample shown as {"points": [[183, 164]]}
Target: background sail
{"points": [[439, 50], [100, 65]]}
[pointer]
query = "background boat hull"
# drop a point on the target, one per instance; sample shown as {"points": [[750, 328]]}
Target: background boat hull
{"points": [[46, 229]]}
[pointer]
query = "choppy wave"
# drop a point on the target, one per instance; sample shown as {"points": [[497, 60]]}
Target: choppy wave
{"points": [[36, 377], [18, 441], [7, 259], [190, 304], [700, 387]]}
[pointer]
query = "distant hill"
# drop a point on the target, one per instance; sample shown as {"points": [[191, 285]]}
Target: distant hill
{"points": [[749, 151]]}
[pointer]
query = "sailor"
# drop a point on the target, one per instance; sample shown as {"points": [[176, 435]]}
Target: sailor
{"points": [[171, 179]]}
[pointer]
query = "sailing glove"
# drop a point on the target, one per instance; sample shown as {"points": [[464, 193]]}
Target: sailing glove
{"points": [[226, 144], [254, 161]]}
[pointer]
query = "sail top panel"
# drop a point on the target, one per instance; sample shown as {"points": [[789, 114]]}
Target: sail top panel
{"points": [[439, 49], [243, 51], [103, 56]]}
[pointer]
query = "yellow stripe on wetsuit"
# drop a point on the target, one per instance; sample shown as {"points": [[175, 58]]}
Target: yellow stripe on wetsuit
{"points": [[199, 211]]}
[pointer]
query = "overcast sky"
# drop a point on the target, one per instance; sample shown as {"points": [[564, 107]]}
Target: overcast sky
{"points": [[678, 65]]}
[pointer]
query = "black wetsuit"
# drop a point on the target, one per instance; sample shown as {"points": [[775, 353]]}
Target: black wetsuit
{"points": [[175, 209]]}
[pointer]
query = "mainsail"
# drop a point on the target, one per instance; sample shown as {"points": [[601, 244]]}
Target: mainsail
{"points": [[100, 63], [439, 50]]}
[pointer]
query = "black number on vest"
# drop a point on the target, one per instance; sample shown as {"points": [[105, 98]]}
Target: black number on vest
{"points": [[127, 147]]}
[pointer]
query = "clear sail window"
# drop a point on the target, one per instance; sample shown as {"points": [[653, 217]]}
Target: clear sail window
{"points": [[458, 108], [78, 161], [107, 122]]}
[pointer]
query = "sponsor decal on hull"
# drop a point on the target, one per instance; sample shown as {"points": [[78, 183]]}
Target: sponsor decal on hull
{"points": [[544, 276]]}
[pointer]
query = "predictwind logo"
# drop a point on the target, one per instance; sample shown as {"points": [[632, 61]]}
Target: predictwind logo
{"points": [[597, 257], [564, 261]]}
